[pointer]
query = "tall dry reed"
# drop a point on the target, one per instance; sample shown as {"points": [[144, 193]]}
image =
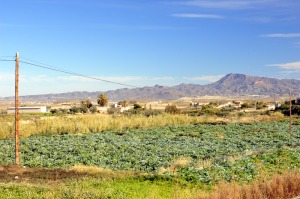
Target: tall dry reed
{"points": [[81, 124], [282, 186]]}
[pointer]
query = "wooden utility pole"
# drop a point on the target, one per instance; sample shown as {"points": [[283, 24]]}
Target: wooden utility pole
{"points": [[17, 117], [291, 117]]}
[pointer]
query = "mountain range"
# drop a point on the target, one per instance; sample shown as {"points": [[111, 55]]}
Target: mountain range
{"points": [[229, 85]]}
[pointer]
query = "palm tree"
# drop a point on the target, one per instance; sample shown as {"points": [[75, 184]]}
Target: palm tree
{"points": [[102, 100]]}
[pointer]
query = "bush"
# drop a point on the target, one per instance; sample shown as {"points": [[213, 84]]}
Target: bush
{"points": [[241, 114], [151, 112], [172, 109], [59, 111], [222, 113], [285, 109], [84, 109], [260, 105], [210, 111], [54, 111], [278, 115], [93, 109], [137, 106], [64, 111], [247, 105], [75, 109], [132, 112], [112, 111]]}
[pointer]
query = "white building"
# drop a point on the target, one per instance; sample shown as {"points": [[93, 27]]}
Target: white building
{"points": [[37, 109], [122, 109]]}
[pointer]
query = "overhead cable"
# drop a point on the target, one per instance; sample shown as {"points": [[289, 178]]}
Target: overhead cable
{"points": [[74, 73], [6, 60]]}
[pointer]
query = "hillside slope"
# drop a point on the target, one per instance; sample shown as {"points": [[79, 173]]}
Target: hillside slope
{"points": [[229, 85]]}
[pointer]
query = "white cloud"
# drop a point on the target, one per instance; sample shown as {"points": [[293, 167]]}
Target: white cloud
{"points": [[289, 67], [119, 79], [108, 78], [228, 4], [7, 76], [282, 35], [137, 80], [202, 16], [209, 78], [162, 78], [45, 78], [40, 78]]}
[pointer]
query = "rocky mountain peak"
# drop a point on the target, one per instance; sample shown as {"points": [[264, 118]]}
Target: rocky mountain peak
{"points": [[230, 85]]}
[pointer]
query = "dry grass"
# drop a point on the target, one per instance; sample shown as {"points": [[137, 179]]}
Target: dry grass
{"points": [[203, 164], [177, 163], [282, 186], [103, 173], [94, 123], [81, 124], [182, 161], [89, 169], [219, 135]]}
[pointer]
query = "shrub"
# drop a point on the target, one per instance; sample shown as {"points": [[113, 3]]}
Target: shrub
{"points": [[151, 112], [137, 106], [241, 114], [112, 111], [75, 109], [260, 105], [63, 110], [172, 109], [278, 115], [53, 111], [132, 112], [93, 109], [210, 111], [84, 109], [222, 113]]}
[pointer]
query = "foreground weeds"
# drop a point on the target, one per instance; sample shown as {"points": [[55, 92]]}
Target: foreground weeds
{"points": [[282, 186], [89, 182], [85, 182]]}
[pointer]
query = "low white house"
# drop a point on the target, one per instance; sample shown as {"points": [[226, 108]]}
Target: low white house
{"points": [[271, 106], [36, 109], [115, 105], [122, 109]]}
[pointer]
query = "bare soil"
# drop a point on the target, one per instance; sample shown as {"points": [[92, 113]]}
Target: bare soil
{"points": [[15, 173]]}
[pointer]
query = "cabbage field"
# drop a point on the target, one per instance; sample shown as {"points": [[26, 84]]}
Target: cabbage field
{"points": [[206, 153]]}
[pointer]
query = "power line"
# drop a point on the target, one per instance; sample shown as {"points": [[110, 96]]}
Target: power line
{"points": [[74, 73], [7, 56], [6, 60], [49, 67]]}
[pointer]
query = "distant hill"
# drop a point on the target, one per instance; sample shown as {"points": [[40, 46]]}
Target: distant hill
{"points": [[229, 85]]}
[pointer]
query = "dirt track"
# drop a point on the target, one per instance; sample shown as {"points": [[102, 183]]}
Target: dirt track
{"points": [[14, 173]]}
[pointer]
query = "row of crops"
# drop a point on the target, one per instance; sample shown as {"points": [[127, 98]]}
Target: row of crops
{"points": [[203, 153]]}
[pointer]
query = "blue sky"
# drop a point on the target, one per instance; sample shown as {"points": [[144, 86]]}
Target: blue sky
{"points": [[144, 43]]}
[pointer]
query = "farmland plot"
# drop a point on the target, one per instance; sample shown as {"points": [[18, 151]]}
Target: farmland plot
{"points": [[201, 153]]}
